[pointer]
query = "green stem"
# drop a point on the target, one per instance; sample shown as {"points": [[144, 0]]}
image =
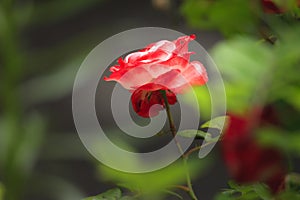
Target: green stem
{"points": [[184, 158]]}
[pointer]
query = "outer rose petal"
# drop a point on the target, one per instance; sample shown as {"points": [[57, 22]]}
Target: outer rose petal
{"points": [[182, 46], [172, 80], [196, 73], [148, 95], [136, 58], [130, 78], [178, 81], [164, 45], [153, 53]]}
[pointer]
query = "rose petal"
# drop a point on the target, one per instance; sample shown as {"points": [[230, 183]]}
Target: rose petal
{"points": [[145, 97], [196, 73], [182, 46], [132, 78], [172, 80], [164, 45]]}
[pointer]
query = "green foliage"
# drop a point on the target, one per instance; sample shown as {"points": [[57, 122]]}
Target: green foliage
{"points": [[245, 192], [287, 141], [286, 84], [50, 87], [112, 194], [245, 67], [19, 155], [292, 188], [203, 98], [1, 192], [218, 123], [262, 192], [289, 5], [293, 182], [22, 128], [193, 134], [230, 17], [178, 196], [153, 183]]}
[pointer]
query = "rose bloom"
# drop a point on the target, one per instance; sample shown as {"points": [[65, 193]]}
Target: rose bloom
{"points": [[161, 66], [246, 160]]}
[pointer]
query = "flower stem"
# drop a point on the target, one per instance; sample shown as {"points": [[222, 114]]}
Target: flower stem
{"points": [[184, 158]]}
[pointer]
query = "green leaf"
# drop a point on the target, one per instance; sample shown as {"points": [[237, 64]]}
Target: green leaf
{"points": [[246, 68], [203, 98], [262, 191], [289, 195], [174, 194], [286, 86], [1, 191], [193, 134], [222, 15], [153, 183], [217, 123], [112, 194], [287, 141], [250, 191], [50, 87], [128, 198], [293, 182], [28, 150]]}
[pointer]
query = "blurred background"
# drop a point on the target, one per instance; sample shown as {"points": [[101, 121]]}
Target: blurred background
{"points": [[255, 45]]}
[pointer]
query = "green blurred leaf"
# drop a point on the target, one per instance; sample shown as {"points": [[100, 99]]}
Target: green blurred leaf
{"points": [[6, 135], [22, 13], [28, 150], [287, 141], [174, 194], [1, 191], [128, 198], [230, 17], [245, 192], [292, 182], [112, 194], [54, 187], [246, 69], [153, 183], [203, 99], [217, 123], [50, 87], [287, 195], [193, 133], [287, 5], [286, 84]]}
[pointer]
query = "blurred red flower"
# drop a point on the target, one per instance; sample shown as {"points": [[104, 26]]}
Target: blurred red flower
{"points": [[270, 7], [161, 66], [246, 160]]}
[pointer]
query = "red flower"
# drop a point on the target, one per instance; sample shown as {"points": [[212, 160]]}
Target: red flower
{"points": [[246, 160], [270, 7], [164, 65]]}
